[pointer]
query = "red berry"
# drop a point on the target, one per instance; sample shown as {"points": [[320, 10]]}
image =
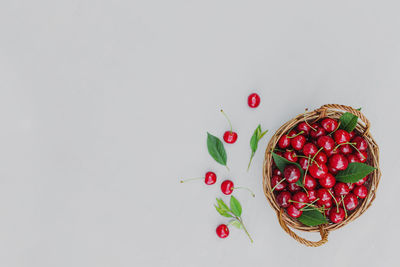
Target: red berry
{"points": [[346, 149], [328, 181], [309, 182], [227, 187], [332, 152], [274, 183], [352, 158], [329, 124], [350, 202], [318, 172], [293, 212], [298, 142], [352, 134], [284, 142], [341, 136], [210, 178], [277, 172], [300, 197], [362, 181], [361, 191], [293, 187], [309, 149], [336, 215], [303, 163], [283, 199], [341, 189], [326, 142], [338, 162], [323, 194], [361, 144], [222, 231], [319, 131], [304, 127], [230, 137], [253, 100], [327, 204], [312, 195], [321, 157], [291, 173], [290, 156], [332, 170], [351, 186], [362, 156]]}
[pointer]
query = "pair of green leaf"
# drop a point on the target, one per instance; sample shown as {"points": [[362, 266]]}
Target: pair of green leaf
{"points": [[255, 138], [216, 149], [234, 210], [281, 163]]}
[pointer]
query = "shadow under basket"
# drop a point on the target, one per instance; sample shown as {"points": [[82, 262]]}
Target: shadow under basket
{"points": [[326, 111]]}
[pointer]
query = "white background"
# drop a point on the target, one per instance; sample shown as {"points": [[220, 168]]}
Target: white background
{"points": [[105, 105]]}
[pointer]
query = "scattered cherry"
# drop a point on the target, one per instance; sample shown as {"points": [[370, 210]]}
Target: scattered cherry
{"points": [[338, 162], [318, 171], [361, 191], [350, 202], [336, 215], [284, 141], [298, 142], [326, 142], [328, 181], [341, 189], [299, 200], [293, 212], [309, 149], [283, 199], [209, 178], [227, 187], [341, 136], [304, 127], [253, 100], [309, 182], [291, 173], [230, 137], [361, 144], [222, 231], [323, 194]]}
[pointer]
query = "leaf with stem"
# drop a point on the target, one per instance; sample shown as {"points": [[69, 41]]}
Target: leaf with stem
{"points": [[216, 149], [255, 138]]}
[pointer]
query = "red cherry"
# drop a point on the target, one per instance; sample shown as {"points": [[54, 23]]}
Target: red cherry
{"points": [[300, 197], [321, 157], [293, 187], [291, 173], [298, 142], [362, 156], [318, 172], [284, 142], [312, 195], [309, 149], [351, 186], [253, 100], [319, 131], [309, 182], [361, 191], [290, 156], [327, 204], [352, 134], [304, 127], [323, 194], [332, 152], [277, 172], [332, 170], [293, 212], [328, 181], [362, 181], [346, 149], [326, 142], [352, 158], [341, 189], [292, 133], [222, 231], [336, 215], [341, 136], [230, 137], [303, 163], [350, 202], [329, 124], [227, 187], [274, 183], [361, 144], [283, 199], [339, 162], [209, 178]]}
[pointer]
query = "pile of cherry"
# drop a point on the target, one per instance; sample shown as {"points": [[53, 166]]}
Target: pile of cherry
{"points": [[322, 150]]}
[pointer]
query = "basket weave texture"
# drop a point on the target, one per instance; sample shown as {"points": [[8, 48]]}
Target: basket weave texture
{"points": [[332, 111]]}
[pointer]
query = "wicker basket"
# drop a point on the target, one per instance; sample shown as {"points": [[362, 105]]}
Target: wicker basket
{"points": [[362, 128]]}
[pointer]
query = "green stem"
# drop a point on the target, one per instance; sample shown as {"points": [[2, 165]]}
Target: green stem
{"points": [[296, 135], [229, 121], [337, 204], [272, 190], [191, 179], [352, 144], [344, 207], [244, 228], [248, 189], [334, 130], [251, 158]]}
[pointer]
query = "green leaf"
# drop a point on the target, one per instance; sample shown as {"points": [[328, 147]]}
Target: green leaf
{"points": [[262, 134], [348, 121], [254, 142], [236, 208], [355, 171], [223, 212], [281, 163], [236, 224], [222, 204], [216, 149], [312, 218]]}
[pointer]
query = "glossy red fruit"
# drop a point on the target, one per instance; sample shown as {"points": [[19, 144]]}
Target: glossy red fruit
{"points": [[352, 134], [336, 215], [210, 178], [293, 187], [309, 182], [284, 142], [298, 142], [332, 170], [346, 149], [283, 199], [304, 127], [323, 194], [341, 189], [230, 137], [361, 144], [274, 183], [312, 195], [361, 191], [300, 197], [318, 172], [350, 202], [362, 181], [338, 162], [362, 156], [319, 131], [327, 204], [351, 186], [352, 158], [321, 157], [331, 152], [303, 163], [222, 231], [341, 136], [276, 171], [293, 212], [290, 156], [309, 149], [329, 124], [253, 100], [291, 173], [328, 181], [326, 142], [227, 187]]}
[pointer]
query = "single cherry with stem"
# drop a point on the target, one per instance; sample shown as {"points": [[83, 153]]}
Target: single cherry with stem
{"points": [[253, 100], [222, 231], [230, 137], [227, 188], [209, 178]]}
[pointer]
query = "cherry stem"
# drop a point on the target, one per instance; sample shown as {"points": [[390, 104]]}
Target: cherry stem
{"points": [[347, 143], [241, 187], [310, 204], [335, 129], [352, 144], [272, 190], [296, 135], [337, 204], [244, 228], [229, 121], [227, 168], [251, 158], [304, 116], [319, 150], [191, 179], [344, 207], [305, 173]]}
